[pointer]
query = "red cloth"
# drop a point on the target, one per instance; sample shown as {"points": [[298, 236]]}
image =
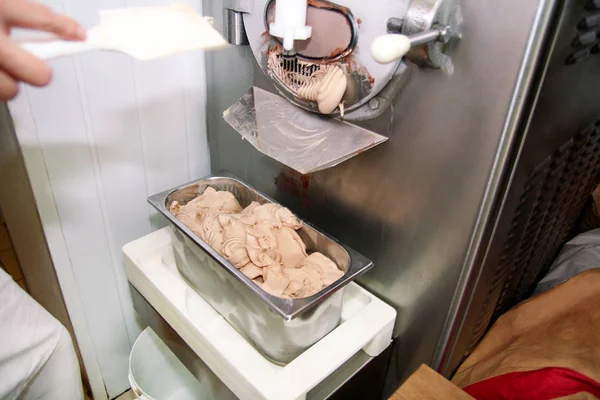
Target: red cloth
{"points": [[541, 384]]}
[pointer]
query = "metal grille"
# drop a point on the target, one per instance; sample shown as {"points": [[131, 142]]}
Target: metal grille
{"points": [[554, 196], [291, 72]]}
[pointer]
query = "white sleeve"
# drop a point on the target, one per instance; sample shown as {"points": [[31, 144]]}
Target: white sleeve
{"points": [[29, 336], [579, 255]]}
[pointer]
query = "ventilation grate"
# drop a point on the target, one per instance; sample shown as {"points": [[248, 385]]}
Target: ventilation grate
{"points": [[554, 196]]}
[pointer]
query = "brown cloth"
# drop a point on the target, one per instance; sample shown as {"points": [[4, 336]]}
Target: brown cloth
{"points": [[559, 328], [426, 384]]}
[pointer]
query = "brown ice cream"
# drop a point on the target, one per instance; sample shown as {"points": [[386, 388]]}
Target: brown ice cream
{"points": [[326, 87], [261, 241]]}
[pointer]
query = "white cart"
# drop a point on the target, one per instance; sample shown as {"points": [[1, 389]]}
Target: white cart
{"points": [[222, 361]]}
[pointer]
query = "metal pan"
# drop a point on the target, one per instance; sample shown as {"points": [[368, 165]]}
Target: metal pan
{"points": [[280, 329]]}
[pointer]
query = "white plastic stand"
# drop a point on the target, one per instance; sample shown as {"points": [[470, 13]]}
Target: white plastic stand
{"points": [[367, 325]]}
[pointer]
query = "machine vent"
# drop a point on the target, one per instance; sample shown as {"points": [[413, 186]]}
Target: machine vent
{"points": [[554, 196]]}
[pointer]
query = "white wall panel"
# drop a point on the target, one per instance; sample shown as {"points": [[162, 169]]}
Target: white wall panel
{"points": [[107, 133], [42, 189]]}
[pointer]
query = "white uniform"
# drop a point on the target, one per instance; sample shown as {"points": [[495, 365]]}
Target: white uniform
{"points": [[581, 254], [37, 357]]}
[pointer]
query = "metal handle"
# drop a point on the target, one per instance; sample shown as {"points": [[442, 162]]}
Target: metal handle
{"points": [[438, 33], [391, 47]]}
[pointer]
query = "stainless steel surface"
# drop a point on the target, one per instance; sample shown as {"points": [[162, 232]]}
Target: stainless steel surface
{"points": [[358, 364], [304, 141], [235, 33], [281, 329], [424, 15], [564, 105], [432, 35], [367, 78], [370, 77], [394, 24], [385, 100], [416, 206]]}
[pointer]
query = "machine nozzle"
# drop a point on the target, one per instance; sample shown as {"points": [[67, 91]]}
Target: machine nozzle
{"points": [[290, 23]]}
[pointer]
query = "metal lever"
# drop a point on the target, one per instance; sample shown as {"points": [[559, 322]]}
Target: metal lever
{"points": [[392, 47]]}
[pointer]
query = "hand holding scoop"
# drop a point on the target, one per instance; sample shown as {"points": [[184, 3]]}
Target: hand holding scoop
{"points": [[144, 33]]}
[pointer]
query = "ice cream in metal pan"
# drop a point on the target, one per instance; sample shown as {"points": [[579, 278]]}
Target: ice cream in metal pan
{"points": [[279, 328], [261, 241]]}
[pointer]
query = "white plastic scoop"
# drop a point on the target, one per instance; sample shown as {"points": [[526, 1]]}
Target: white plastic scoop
{"points": [[143, 32]]}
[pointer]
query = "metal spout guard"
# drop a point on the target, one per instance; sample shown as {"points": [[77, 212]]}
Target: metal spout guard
{"points": [[235, 31], [304, 141]]}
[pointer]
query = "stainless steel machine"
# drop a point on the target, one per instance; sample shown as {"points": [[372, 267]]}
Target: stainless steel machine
{"points": [[459, 169]]}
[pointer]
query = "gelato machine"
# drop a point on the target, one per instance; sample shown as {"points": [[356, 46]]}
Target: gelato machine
{"points": [[448, 144]]}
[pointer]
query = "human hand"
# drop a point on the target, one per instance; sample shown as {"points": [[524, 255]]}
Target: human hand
{"points": [[17, 64]]}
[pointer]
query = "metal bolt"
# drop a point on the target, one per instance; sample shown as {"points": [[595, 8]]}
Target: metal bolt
{"points": [[395, 24], [374, 104], [446, 33]]}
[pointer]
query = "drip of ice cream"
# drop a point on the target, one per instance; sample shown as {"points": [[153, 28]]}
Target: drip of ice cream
{"points": [[326, 87], [260, 240]]}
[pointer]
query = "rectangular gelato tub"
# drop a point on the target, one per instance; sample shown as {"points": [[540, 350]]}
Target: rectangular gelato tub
{"points": [[281, 329]]}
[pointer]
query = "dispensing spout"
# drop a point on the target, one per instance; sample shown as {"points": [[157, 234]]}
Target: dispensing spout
{"points": [[290, 23]]}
